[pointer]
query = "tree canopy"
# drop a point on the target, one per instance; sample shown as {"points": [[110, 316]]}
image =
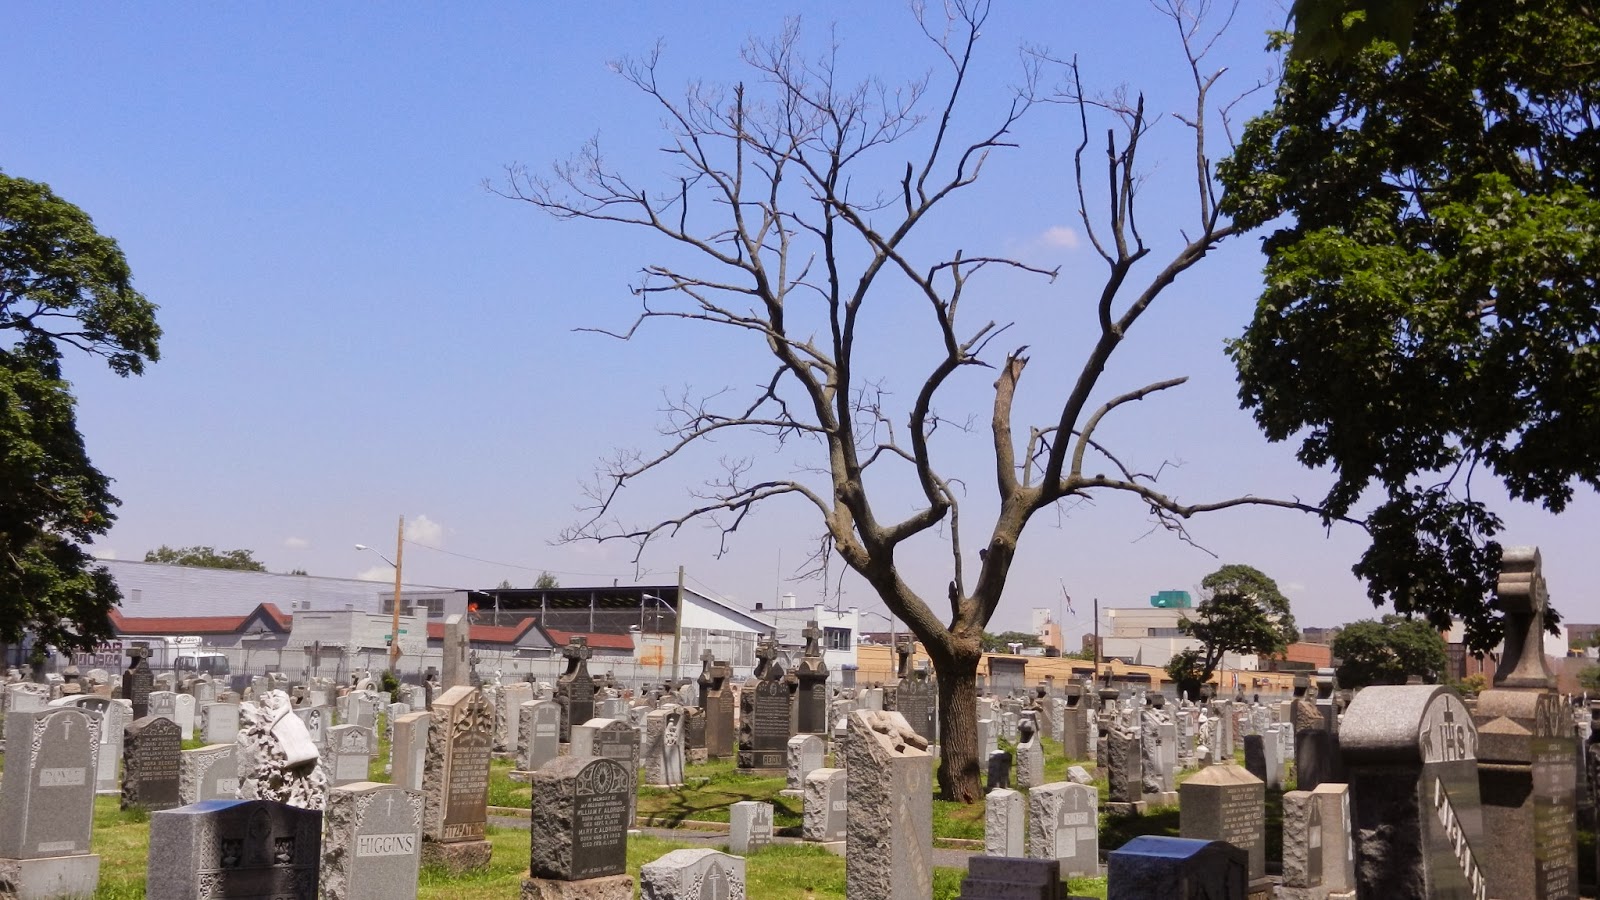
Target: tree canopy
{"points": [[1388, 652], [206, 557], [1241, 611], [1430, 310], [1001, 643], [62, 285]]}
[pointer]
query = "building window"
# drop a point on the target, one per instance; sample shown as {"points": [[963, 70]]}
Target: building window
{"points": [[836, 638]]}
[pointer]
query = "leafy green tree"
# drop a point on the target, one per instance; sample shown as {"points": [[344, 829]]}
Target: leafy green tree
{"points": [[1001, 643], [1241, 611], [1589, 679], [1389, 652], [205, 557], [546, 582], [1430, 310], [62, 285]]}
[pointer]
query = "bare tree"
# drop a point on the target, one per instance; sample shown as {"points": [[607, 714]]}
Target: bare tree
{"points": [[790, 251]]}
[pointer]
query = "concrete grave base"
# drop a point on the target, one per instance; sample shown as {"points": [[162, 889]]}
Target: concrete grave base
{"points": [[458, 858], [611, 887], [1165, 798], [53, 876], [1137, 808]]}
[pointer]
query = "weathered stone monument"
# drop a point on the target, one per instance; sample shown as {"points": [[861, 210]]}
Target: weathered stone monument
{"points": [[580, 831], [455, 783], [764, 715], [575, 689], [889, 841], [664, 746], [276, 757], [826, 803], [454, 660], [749, 826], [699, 874], [1030, 755], [137, 680], [408, 750], [348, 754], [372, 844], [1411, 755], [47, 803], [1527, 759], [1004, 818], [805, 754], [222, 849]]}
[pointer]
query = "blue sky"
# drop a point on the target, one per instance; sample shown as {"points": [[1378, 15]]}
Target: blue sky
{"points": [[356, 329]]}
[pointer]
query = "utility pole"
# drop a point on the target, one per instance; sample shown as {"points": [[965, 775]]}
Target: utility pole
{"points": [[677, 631], [1097, 636], [394, 628]]}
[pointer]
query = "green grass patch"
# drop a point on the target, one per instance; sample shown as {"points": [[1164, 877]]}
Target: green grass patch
{"points": [[709, 790]]}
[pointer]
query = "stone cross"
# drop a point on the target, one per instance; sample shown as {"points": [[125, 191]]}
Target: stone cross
{"points": [[577, 648], [904, 646], [766, 654], [1523, 597], [813, 636]]}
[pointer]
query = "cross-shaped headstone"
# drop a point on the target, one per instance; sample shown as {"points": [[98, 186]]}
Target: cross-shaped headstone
{"points": [[813, 636], [138, 653], [766, 654], [1523, 598], [904, 647], [577, 648]]}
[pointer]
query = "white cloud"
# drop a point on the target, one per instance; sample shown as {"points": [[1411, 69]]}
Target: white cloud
{"points": [[296, 543], [425, 531], [1060, 237], [376, 573]]}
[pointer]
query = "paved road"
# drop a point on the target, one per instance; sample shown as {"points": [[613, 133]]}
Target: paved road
{"points": [[955, 859]]}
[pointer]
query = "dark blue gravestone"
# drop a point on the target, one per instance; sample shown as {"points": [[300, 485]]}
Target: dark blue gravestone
{"points": [[1177, 869]]}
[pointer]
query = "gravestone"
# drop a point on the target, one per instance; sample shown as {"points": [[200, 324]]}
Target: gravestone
{"points": [[1011, 878], [1004, 817], [805, 754], [220, 849], [349, 754], [541, 734], [749, 826], [1125, 766], [508, 720], [114, 719], [825, 805], [1064, 825], [579, 828], [1178, 868], [999, 770], [1338, 843], [1030, 756], [163, 704], [664, 746], [889, 841], [1226, 803], [699, 874], [1302, 848], [47, 803], [811, 697], [208, 773], [916, 698], [137, 680], [764, 706], [151, 768], [372, 844], [183, 712], [455, 781], [317, 719], [1075, 742], [575, 689], [453, 657], [408, 750], [1411, 755], [219, 723], [1527, 772]]}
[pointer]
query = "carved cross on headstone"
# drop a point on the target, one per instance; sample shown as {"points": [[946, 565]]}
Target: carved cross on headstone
{"points": [[904, 647], [1523, 599], [766, 658]]}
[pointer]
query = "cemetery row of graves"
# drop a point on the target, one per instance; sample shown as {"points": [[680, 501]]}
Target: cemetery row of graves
{"points": [[784, 786]]}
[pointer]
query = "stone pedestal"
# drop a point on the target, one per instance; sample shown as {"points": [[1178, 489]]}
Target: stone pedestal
{"points": [[50, 877], [457, 858], [612, 887]]}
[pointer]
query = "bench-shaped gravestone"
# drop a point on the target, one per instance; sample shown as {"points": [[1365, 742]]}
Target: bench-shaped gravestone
{"points": [[1154, 866], [219, 849]]}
